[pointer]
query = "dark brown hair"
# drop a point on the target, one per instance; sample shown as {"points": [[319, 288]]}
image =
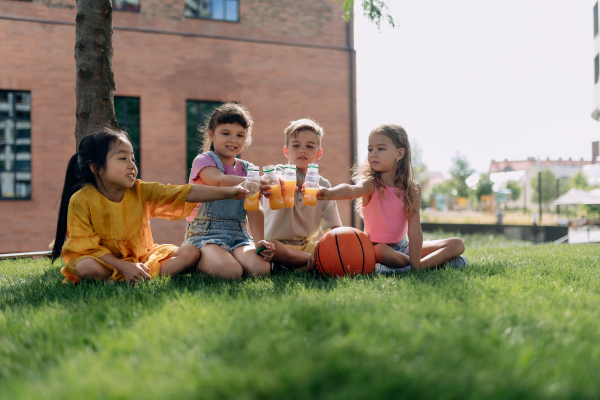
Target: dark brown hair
{"points": [[227, 113]]}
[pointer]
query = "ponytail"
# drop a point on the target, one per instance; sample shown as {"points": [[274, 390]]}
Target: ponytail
{"points": [[72, 184], [93, 151]]}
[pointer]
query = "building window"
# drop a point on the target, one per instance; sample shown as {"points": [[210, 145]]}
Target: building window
{"points": [[126, 5], [198, 113], [596, 68], [127, 110], [220, 10], [15, 145], [595, 19]]}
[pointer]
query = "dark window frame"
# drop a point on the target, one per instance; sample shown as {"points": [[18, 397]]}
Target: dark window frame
{"points": [[125, 124], [124, 10], [15, 170], [237, 21], [596, 68], [192, 128], [596, 19]]}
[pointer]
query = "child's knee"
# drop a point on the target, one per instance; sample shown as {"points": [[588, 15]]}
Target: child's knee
{"points": [[228, 269], [189, 252], [380, 250], [258, 267], [458, 245], [88, 268]]}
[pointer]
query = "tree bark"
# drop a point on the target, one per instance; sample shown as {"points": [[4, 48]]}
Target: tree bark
{"points": [[95, 84]]}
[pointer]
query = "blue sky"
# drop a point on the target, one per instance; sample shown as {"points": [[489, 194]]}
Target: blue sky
{"points": [[491, 80]]}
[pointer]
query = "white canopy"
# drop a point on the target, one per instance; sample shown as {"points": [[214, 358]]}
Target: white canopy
{"points": [[577, 196]]}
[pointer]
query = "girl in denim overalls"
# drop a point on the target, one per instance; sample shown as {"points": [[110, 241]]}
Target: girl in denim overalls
{"points": [[219, 229]]}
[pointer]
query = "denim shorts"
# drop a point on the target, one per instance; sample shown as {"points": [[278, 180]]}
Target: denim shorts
{"points": [[402, 247], [228, 234]]}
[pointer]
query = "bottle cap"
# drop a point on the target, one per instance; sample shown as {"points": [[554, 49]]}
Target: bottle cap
{"points": [[291, 166], [268, 168], [315, 166]]}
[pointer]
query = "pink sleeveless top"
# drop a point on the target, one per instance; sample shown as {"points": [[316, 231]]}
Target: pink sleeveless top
{"points": [[385, 220]]}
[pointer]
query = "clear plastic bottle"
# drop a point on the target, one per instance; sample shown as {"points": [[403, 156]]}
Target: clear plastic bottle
{"points": [[275, 199], [311, 185], [289, 182], [252, 184]]}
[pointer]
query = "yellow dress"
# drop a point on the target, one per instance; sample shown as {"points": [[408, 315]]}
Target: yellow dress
{"points": [[97, 226]]}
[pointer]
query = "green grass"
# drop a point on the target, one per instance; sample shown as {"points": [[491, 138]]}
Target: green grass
{"points": [[519, 322]]}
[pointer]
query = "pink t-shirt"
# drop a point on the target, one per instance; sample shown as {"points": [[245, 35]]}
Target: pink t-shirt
{"points": [[204, 160], [385, 220]]}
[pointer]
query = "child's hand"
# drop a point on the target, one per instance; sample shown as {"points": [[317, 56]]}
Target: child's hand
{"points": [[322, 194], [238, 192], [269, 251], [265, 187], [134, 272]]}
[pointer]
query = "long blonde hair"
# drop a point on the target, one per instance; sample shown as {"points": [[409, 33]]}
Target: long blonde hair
{"points": [[403, 178]]}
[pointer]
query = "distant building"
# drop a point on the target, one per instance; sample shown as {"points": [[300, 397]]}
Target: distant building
{"points": [[503, 171]]}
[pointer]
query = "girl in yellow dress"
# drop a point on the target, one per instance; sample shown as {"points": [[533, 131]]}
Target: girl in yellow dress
{"points": [[103, 229]]}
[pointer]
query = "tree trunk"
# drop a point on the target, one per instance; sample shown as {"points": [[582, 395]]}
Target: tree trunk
{"points": [[95, 84]]}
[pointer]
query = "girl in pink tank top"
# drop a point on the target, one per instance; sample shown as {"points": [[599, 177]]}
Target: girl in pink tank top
{"points": [[390, 200]]}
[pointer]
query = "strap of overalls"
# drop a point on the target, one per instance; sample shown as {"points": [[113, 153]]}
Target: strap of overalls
{"points": [[219, 163]]}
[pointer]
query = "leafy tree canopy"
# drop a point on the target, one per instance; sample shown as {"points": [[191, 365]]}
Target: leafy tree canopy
{"points": [[484, 186], [460, 171], [516, 189], [579, 181], [375, 10], [548, 187]]}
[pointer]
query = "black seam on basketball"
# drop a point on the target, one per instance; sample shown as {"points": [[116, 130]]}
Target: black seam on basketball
{"points": [[362, 271], [337, 246], [319, 267]]}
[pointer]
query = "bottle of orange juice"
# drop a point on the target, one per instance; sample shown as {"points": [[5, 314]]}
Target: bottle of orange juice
{"points": [[289, 182], [252, 184], [275, 199], [311, 185]]}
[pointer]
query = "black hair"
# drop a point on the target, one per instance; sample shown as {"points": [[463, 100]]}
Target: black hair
{"points": [[93, 152]]}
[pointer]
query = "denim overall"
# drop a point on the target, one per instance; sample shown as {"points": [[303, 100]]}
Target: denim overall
{"points": [[220, 222]]}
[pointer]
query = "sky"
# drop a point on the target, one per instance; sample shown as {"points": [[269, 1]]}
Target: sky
{"points": [[488, 80]]}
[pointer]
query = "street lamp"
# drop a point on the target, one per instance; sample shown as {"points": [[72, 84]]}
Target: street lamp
{"points": [[539, 166]]}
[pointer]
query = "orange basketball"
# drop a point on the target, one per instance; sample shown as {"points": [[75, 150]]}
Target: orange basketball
{"points": [[344, 251]]}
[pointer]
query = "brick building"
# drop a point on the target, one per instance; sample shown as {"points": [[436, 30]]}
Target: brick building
{"points": [[173, 60]]}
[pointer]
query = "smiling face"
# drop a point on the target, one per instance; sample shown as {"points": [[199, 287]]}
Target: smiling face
{"points": [[383, 154], [303, 149], [120, 170], [228, 140]]}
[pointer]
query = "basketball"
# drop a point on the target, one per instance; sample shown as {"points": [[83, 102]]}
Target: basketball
{"points": [[344, 251]]}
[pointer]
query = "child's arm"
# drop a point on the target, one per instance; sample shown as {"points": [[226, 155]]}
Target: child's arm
{"points": [[213, 177], [256, 222], [205, 194], [344, 191], [415, 236]]}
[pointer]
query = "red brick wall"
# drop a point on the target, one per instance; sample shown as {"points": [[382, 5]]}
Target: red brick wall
{"points": [[277, 82]]}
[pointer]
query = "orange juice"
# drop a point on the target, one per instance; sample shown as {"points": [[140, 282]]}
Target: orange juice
{"points": [[251, 203], [310, 197], [275, 199], [288, 194]]}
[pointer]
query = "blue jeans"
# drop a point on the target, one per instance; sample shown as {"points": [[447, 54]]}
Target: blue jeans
{"points": [[220, 222]]}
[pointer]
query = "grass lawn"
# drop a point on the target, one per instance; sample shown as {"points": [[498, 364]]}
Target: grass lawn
{"points": [[519, 322]]}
